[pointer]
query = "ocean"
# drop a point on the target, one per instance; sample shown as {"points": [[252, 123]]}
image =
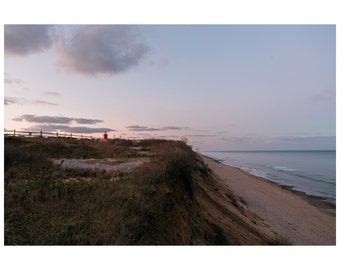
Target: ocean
{"points": [[312, 172]]}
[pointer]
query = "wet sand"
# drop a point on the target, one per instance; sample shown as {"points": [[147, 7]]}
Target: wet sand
{"points": [[297, 218]]}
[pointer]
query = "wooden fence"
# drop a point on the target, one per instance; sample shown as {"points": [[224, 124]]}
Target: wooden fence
{"points": [[46, 134]]}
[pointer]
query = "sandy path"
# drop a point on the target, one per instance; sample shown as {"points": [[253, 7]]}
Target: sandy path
{"points": [[101, 164], [300, 219]]}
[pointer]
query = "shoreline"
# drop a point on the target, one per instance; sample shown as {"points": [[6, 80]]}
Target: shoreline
{"points": [[313, 199], [296, 216]]}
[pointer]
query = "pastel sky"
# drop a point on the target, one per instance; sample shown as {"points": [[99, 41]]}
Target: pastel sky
{"points": [[223, 87]]}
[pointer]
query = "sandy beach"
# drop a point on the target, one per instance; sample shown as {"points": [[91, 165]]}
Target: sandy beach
{"points": [[295, 217]]}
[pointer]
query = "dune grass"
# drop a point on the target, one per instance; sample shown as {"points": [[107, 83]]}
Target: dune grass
{"points": [[45, 205]]}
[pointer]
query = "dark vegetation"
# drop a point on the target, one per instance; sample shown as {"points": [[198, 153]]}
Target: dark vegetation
{"points": [[172, 200]]}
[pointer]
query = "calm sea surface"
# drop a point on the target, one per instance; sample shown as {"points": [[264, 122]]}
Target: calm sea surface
{"points": [[313, 172]]}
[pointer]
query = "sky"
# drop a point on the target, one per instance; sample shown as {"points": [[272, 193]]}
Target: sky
{"points": [[222, 87]]}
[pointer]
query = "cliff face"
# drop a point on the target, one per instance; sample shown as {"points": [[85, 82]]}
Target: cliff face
{"points": [[195, 207], [171, 198]]}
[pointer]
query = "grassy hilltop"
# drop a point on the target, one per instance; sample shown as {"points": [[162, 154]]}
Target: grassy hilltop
{"points": [[171, 199]]}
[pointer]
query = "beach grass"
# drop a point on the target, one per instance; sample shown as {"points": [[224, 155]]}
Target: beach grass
{"points": [[173, 199]]}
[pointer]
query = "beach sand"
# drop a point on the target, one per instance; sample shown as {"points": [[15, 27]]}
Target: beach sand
{"points": [[297, 218]]}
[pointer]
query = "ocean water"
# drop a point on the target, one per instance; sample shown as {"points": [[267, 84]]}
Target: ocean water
{"points": [[313, 172]]}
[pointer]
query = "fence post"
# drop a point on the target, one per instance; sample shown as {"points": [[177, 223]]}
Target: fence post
{"points": [[14, 132], [41, 133]]}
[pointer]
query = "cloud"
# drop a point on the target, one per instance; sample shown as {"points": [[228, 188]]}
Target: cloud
{"points": [[9, 80], [62, 124], [13, 81], [100, 49], [21, 101], [83, 49], [88, 130], [52, 93], [43, 102], [172, 128], [136, 127], [21, 40], [10, 101], [43, 119], [55, 119], [144, 128], [69, 129], [86, 121], [141, 128]]}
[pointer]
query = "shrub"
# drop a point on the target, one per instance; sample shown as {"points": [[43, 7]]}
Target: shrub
{"points": [[19, 161], [179, 160]]}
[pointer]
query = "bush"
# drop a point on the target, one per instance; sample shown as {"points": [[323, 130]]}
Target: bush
{"points": [[179, 162], [19, 161]]}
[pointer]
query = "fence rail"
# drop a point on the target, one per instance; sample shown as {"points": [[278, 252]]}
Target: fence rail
{"points": [[46, 134]]}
